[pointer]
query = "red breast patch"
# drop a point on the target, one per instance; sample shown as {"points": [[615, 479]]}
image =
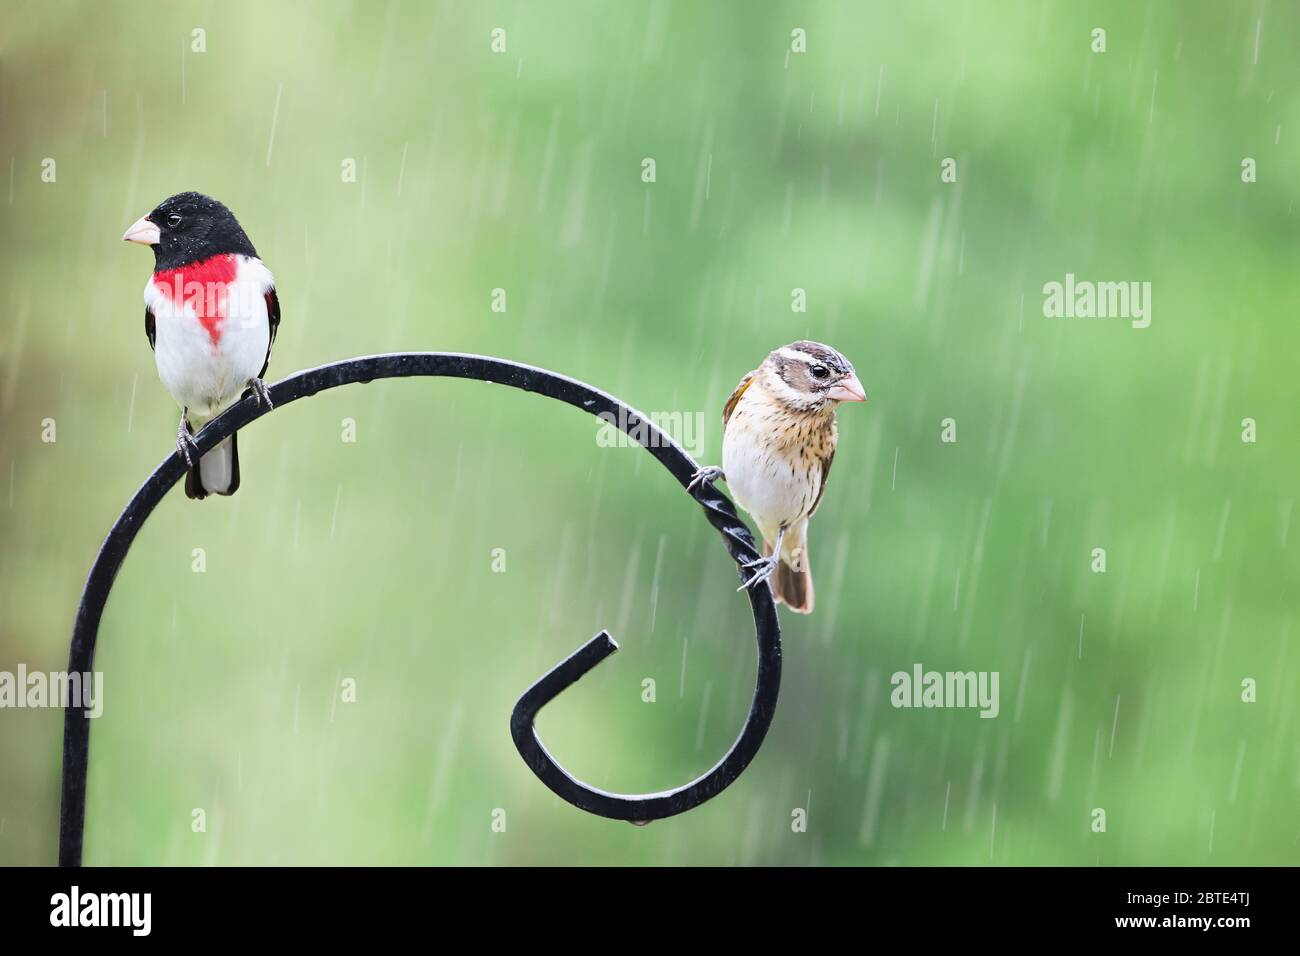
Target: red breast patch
{"points": [[201, 285]]}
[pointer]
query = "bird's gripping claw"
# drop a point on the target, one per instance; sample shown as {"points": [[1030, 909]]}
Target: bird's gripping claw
{"points": [[705, 476], [185, 441], [763, 567], [262, 393]]}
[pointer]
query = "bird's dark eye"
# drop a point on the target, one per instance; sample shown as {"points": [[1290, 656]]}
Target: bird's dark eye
{"points": [[174, 220], [819, 371]]}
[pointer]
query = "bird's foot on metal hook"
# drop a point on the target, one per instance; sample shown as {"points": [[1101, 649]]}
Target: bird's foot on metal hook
{"points": [[263, 394], [705, 476], [762, 568], [185, 442]]}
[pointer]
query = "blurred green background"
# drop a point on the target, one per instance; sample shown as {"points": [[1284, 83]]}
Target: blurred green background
{"points": [[775, 171]]}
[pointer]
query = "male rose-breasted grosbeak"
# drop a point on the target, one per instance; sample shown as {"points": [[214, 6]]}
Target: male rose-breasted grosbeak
{"points": [[211, 314]]}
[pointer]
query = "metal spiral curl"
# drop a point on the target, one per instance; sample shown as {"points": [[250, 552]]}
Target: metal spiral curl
{"points": [[635, 808]]}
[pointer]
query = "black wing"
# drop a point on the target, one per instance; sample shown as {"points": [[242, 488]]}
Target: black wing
{"points": [[149, 325], [273, 317]]}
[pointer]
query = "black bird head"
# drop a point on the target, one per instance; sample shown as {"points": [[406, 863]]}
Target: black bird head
{"points": [[189, 228]]}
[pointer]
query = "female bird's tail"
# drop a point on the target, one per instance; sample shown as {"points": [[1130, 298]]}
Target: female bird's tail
{"points": [[216, 473], [791, 587]]}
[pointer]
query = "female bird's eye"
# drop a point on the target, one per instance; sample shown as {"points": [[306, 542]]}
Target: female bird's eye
{"points": [[820, 371], [174, 220]]}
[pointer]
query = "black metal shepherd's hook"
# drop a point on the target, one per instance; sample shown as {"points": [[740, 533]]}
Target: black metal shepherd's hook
{"points": [[636, 808]]}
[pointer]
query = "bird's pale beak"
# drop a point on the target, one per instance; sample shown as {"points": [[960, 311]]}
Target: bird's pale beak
{"points": [[144, 232], [849, 390]]}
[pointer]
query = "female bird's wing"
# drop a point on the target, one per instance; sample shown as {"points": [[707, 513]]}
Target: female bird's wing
{"points": [[734, 400], [826, 472]]}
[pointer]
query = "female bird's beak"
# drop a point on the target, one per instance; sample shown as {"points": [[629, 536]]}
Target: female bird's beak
{"points": [[849, 390], [144, 232]]}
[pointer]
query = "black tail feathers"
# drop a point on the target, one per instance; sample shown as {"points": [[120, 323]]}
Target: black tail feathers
{"points": [[216, 473]]}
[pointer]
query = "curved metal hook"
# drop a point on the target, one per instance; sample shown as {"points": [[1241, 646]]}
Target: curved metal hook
{"points": [[718, 509]]}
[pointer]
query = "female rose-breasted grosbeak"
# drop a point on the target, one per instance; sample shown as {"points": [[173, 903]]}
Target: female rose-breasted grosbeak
{"points": [[778, 441], [211, 314]]}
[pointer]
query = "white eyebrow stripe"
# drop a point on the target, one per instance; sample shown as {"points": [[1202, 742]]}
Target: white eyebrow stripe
{"points": [[795, 355]]}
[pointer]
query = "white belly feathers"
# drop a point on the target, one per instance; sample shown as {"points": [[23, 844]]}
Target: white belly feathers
{"points": [[211, 329], [767, 481]]}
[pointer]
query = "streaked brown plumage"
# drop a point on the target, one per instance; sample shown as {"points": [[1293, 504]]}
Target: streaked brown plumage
{"points": [[778, 444]]}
